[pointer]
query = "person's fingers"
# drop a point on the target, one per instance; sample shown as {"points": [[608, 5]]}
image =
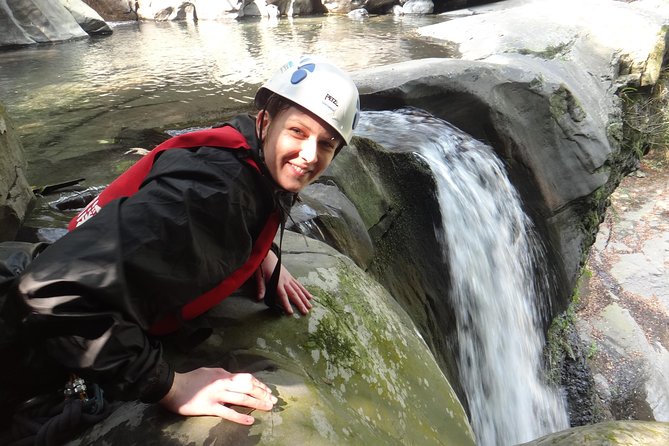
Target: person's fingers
{"points": [[299, 300], [305, 291], [249, 384], [299, 297], [304, 295], [260, 281], [243, 399], [284, 299], [221, 411]]}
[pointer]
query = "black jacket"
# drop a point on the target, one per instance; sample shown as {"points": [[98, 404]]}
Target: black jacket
{"points": [[94, 293]]}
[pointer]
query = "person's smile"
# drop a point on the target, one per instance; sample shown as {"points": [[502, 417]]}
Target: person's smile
{"points": [[298, 148]]}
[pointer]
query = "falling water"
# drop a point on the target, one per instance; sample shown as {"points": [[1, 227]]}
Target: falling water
{"points": [[493, 255]]}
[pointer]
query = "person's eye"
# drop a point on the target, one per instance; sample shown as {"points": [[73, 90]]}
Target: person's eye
{"points": [[328, 146], [296, 131]]}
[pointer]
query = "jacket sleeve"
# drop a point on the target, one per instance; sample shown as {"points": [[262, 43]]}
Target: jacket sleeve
{"points": [[94, 293]]}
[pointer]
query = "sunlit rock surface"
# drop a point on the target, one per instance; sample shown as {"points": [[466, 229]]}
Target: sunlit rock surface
{"points": [[89, 20], [162, 10], [25, 22], [623, 433], [567, 31], [354, 371]]}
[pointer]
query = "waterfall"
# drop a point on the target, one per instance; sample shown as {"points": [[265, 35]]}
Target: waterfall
{"points": [[493, 255]]}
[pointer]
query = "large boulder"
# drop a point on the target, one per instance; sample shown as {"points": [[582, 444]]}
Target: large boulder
{"points": [[568, 32], [354, 371], [201, 9], [15, 193], [602, 82], [394, 195], [89, 20], [554, 151], [417, 7], [26, 22], [546, 105]]}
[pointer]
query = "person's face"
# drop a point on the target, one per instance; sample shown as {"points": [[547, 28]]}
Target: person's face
{"points": [[297, 147]]}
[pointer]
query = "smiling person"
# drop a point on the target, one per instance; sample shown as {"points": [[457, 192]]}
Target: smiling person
{"points": [[178, 232]]}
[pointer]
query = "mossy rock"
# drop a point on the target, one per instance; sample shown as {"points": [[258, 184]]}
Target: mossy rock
{"points": [[624, 433], [354, 371]]}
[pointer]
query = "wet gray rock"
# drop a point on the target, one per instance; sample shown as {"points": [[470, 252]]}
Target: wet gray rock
{"points": [[545, 102], [394, 194], [418, 7], [26, 22], [616, 364], [163, 10], [628, 433], [358, 14], [326, 214], [15, 192], [89, 20], [553, 152]]}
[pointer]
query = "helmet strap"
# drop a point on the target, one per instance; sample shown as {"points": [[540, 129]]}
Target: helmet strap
{"points": [[259, 132]]}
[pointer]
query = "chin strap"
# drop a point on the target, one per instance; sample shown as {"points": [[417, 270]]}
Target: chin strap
{"points": [[261, 151], [272, 290]]}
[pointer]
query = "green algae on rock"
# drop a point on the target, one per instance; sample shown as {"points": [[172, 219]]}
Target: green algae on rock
{"points": [[627, 433], [354, 371]]}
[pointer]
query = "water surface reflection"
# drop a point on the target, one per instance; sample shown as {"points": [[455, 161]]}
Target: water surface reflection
{"points": [[79, 105]]}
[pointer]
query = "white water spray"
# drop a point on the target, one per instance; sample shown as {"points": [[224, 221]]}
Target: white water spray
{"points": [[493, 255]]}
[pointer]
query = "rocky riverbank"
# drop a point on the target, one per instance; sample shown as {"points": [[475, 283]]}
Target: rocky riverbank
{"points": [[623, 313]]}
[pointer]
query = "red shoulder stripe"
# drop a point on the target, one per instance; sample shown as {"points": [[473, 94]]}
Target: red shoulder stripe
{"points": [[128, 183]]}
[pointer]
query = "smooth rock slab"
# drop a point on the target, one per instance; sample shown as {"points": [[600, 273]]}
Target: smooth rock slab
{"points": [[354, 371], [623, 433]]}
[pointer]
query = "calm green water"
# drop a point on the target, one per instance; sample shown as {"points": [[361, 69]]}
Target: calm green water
{"points": [[79, 106]]}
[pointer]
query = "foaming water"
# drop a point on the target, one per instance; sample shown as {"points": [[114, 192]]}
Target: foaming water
{"points": [[493, 256]]}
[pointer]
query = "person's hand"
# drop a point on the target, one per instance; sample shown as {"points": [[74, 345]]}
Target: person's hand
{"points": [[205, 391], [289, 289]]}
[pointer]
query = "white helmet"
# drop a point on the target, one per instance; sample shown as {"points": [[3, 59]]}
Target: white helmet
{"points": [[320, 87]]}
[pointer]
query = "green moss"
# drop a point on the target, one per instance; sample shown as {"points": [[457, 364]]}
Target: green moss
{"points": [[557, 338], [593, 210], [332, 334], [550, 52], [537, 84], [646, 117], [563, 103], [361, 345], [123, 166]]}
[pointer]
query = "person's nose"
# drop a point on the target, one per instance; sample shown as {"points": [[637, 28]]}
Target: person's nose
{"points": [[309, 150]]}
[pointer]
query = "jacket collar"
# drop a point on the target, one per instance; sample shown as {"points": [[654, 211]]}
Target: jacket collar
{"points": [[246, 125]]}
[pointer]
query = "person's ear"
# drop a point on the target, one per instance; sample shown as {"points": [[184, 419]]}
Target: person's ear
{"points": [[262, 122]]}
